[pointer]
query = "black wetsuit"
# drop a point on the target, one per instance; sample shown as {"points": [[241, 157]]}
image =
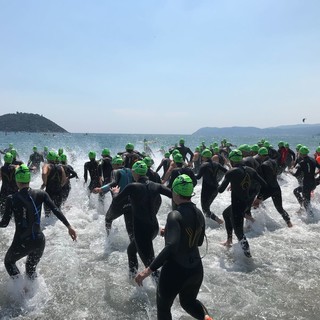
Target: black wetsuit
{"points": [[92, 167], [165, 164], [253, 163], [222, 161], [269, 170], [184, 151], [104, 169], [9, 185], [241, 178], [130, 157], [182, 270], [70, 173], [306, 168], [153, 176], [208, 172], [274, 154], [291, 158], [143, 196], [28, 239], [35, 159], [53, 186]]}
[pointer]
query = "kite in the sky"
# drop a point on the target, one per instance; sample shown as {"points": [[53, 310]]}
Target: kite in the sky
{"points": [[304, 119]]}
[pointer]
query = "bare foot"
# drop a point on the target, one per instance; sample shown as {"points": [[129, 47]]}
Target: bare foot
{"points": [[250, 218], [227, 243], [290, 225]]}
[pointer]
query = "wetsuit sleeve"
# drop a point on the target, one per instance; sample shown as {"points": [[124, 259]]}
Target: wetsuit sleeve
{"points": [[73, 174], [191, 154], [115, 181], [85, 175], [173, 233], [262, 182], [159, 166], [55, 210], [292, 154], [298, 172], [165, 191], [222, 168], [224, 183], [200, 173], [193, 177], [7, 213]]}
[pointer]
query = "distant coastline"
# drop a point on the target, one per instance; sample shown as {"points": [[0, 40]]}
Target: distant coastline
{"points": [[285, 130]]}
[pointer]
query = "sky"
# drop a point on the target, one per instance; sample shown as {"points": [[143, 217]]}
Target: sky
{"points": [[161, 66]]}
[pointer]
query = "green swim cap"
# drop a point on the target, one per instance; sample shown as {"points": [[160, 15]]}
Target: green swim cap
{"points": [[45, 148], [129, 146], [235, 155], [181, 141], [10, 145], [117, 160], [60, 151], [255, 148], [167, 155], [34, 148], [298, 146], [281, 144], [52, 156], [197, 149], [286, 145], [13, 152], [92, 155], [206, 153], [318, 149], [244, 148], [140, 168], [8, 157], [216, 149], [266, 144], [174, 152], [23, 174], [148, 161], [183, 185], [304, 150], [263, 151], [63, 158], [178, 158], [105, 152]]}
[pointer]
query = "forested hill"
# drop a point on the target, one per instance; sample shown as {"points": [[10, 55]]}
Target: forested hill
{"points": [[27, 122]]}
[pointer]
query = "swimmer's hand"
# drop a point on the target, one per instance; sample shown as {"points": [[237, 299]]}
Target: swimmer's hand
{"points": [[142, 275], [72, 233]]}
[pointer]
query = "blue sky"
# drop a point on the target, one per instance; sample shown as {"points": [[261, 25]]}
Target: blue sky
{"points": [[161, 66]]}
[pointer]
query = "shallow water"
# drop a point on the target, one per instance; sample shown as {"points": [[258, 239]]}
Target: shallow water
{"points": [[88, 279]]}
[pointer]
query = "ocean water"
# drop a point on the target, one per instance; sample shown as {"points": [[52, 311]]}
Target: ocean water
{"points": [[88, 279]]}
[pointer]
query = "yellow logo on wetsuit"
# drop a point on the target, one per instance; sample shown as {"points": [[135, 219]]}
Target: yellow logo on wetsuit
{"points": [[193, 237], [246, 182]]}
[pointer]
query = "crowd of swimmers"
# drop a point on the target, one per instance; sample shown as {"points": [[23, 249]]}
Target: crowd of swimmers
{"points": [[250, 172]]}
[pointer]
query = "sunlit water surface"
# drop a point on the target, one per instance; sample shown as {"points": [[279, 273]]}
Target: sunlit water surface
{"points": [[88, 279]]}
